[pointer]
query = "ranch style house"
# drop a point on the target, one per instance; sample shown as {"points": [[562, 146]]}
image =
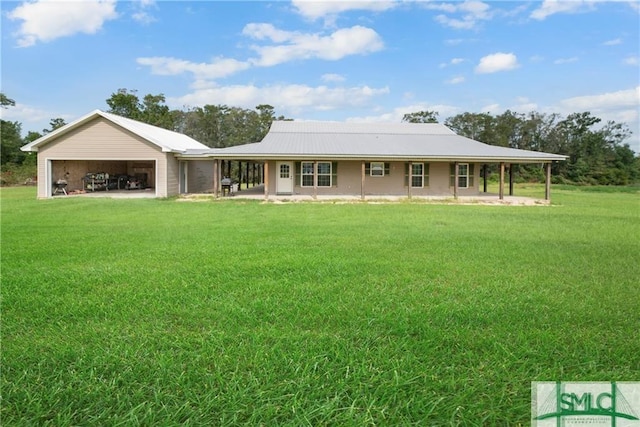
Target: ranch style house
{"points": [[105, 152]]}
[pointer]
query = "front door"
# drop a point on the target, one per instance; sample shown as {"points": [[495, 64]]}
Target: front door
{"points": [[284, 181]]}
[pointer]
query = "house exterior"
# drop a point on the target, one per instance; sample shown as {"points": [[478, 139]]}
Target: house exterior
{"points": [[368, 159], [97, 151], [102, 151]]}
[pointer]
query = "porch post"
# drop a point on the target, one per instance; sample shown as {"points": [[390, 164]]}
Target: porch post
{"points": [[248, 171], [455, 180], [547, 183], [315, 180], [511, 179], [501, 193], [216, 164], [265, 171], [410, 179], [484, 174], [253, 176], [362, 175]]}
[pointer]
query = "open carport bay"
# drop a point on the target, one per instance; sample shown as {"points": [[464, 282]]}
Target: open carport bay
{"points": [[101, 175]]}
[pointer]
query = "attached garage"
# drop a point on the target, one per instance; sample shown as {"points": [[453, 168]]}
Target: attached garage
{"points": [[105, 152]]}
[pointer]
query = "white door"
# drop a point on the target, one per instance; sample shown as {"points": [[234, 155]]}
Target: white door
{"points": [[284, 180]]}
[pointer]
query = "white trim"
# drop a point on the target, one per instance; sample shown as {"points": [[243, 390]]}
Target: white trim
{"points": [[412, 175], [330, 174], [371, 169], [466, 175], [290, 185]]}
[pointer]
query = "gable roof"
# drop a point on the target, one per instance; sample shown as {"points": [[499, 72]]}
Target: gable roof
{"points": [[167, 140], [388, 141]]}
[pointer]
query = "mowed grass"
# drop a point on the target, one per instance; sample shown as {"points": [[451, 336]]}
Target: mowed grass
{"points": [[216, 313]]}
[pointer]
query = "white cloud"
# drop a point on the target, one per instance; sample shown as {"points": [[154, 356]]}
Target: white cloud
{"points": [[287, 98], [622, 106], [455, 80], [631, 60], [524, 105], [621, 99], [314, 9], [492, 109], [141, 13], [45, 21], [612, 42], [454, 61], [396, 115], [333, 78], [551, 7], [565, 60], [218, 68], [294, 45], [497, 62], [27, 114], [470, 13]]}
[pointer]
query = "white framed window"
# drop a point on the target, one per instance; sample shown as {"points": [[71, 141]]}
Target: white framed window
{"points": [[376, 169], [285, 171], [417, 175], [307, 174], [324, 174], [463, 175]]}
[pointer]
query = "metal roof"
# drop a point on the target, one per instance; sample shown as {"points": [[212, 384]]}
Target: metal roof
{"points": [[167, 140], [340, 140]]}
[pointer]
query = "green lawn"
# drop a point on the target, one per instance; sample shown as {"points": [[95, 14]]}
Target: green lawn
{"points": [[159, 312]]}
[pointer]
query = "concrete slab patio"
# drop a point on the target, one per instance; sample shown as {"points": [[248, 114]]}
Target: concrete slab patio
{"points": [[257, 193]]}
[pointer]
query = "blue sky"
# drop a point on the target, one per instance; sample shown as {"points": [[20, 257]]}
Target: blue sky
{"points": [[330, 60]]}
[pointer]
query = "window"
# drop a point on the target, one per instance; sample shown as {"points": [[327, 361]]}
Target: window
{"points": [[325, 174], [377, 169], [417, 174], [307, 174], [285, 171], [465, 175]]}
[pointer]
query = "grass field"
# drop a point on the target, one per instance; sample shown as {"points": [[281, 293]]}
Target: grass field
{"points": [[158, 312]]}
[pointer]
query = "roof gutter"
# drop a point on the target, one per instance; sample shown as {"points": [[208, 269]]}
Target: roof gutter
{"points": [[256, 156]]}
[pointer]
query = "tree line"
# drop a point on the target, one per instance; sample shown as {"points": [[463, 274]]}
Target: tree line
{"points": [[597, 152]]}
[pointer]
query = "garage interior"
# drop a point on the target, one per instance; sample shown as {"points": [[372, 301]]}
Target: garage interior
{"points": [[87, 176]]}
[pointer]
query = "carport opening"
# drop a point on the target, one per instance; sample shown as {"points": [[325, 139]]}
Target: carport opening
{"points": [[91, 176]]}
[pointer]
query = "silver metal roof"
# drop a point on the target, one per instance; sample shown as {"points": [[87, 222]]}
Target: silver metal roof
{"points": [[392, 141], [167, 140]]}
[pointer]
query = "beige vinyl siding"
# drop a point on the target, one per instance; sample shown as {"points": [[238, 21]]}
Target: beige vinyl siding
{"points": [[101, 140], [349, 179], [169, 175]]}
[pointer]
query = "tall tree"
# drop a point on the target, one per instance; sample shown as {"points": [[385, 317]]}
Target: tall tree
{"points": [[10, 140], [151, 110], [421, 117], [124, 103], [56, 123]]}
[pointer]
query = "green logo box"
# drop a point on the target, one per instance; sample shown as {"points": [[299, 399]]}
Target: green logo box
{"points": [[583, 403]]}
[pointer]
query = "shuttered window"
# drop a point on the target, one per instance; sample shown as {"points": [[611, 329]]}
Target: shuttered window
{"points": [[326, 174], [377, 168], [466, 174], [420, 172]]}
